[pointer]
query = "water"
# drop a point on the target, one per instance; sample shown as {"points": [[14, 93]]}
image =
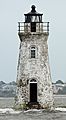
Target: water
{"points": [[6, 102], [59, 100], [34, 114]]}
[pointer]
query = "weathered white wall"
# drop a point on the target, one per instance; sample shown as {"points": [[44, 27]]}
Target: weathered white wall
{"points": [[37, 68]]}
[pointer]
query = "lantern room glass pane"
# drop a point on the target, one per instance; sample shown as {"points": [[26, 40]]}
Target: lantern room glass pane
{"points": [[40, 18]]}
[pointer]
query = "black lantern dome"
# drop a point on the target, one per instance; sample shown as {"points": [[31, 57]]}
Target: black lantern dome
{"points": [[33, 16], [33, 8]]}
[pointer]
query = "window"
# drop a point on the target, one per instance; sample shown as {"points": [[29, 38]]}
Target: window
{"points": [[32, 52]]}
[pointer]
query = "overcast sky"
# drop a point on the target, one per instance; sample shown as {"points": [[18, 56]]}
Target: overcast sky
{"points": [[11, 12]]}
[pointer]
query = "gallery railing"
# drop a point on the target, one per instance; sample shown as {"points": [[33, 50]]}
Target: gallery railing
{"points": [[40, 27]]}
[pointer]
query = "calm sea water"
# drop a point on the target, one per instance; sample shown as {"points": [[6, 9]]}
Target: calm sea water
{"points": [[34, 115]]}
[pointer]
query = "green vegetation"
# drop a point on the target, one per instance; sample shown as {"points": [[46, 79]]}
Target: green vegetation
{"points": [[21, 106], [63, 91], [59, 82]]}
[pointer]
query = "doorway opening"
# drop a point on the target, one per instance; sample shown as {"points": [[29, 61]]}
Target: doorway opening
{"points": [[33, 26], [33, 92]]}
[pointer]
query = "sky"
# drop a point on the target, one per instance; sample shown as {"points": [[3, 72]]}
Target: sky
{"points": [[11, 12]]}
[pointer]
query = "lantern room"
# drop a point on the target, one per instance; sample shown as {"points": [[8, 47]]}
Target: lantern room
{"points": [[33, 16]]}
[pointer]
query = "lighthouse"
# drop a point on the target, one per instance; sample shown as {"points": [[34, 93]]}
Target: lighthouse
{"points": [[34, 84]]}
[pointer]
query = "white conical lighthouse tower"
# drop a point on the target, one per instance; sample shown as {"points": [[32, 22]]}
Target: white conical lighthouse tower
{"points": [[34, 85]]}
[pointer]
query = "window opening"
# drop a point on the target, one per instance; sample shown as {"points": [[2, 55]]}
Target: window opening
{"points": [[32, 52]]}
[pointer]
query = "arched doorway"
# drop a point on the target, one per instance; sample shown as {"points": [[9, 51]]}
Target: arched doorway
{"points": [[33, 91]]}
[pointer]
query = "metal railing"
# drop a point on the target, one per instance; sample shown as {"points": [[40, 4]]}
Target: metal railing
{"points": [[40, 27]]}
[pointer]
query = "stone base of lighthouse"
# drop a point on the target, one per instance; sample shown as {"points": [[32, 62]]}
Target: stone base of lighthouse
{"points": [[34, 86]]}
